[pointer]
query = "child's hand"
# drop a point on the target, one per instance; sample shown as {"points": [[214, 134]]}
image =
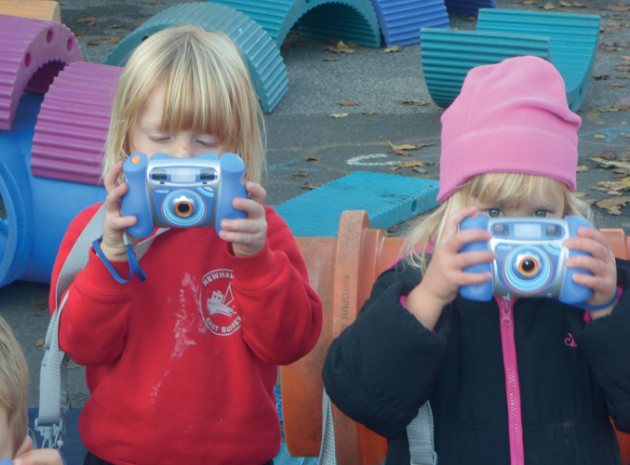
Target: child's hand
{"points": [[247, 235], [601, 263], [114, 226], [445, 275], [27, 456]]}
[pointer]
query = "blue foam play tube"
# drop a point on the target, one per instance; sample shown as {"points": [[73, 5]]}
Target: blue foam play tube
{"points": [[37, 211]]}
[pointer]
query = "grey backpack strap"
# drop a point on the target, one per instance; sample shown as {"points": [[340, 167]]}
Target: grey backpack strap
{"points": [[327, 451], [53, 392], [419, 433]]}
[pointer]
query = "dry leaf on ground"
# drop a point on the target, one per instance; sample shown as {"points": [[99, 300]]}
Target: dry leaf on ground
{"points": [[614, 204], [339, 47], [339, 115], [614, 187], [415, 102], [348, 104], [394, 49], [88, 20], [605, 162]]}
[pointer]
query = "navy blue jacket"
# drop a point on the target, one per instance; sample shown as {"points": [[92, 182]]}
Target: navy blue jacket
{"points": [[574, 376]]}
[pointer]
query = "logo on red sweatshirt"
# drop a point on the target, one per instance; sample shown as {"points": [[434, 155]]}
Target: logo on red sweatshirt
{"points": [[217, 303]]}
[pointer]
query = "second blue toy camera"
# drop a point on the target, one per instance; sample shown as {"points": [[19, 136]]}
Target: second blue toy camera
{"points": [[530, 258], [182, 192]]}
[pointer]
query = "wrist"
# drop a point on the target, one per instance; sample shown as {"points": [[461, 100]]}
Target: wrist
{"points": [[114, 254], [608, 306]]}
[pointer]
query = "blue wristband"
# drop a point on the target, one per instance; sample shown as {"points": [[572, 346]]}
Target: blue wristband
{"points": [[134, 265], [593, 308]]}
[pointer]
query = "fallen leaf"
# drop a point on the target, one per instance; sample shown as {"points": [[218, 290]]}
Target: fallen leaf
{"points": [[369, 113], [582, 168], [310, 185], [618, 8], [415, 165], [549, 6], [88, 20], [114, 39], [611, 163], [617, 85], [39, 342], [415, 103], [348, 104], [614, 187], [613, 204], [394, 49], [601, 77], [339, 115], [599, 136], [313, 159], [565, 4], [339, 47], [300, 174]]}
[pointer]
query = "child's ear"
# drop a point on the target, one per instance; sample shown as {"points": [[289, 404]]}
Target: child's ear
{"points": [[26, 446]]}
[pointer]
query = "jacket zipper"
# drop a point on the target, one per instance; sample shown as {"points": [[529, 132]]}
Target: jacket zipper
{"points": [[512, 385]]}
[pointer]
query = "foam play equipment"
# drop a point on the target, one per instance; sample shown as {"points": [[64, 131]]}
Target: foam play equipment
{"points": [[37, 211], [73, 121], [46, 10], [448, 55], [342, 270], [401, 20], [351, 20], [468, 7], [32, 53], [389, 200], [572, 39], [263, 58]]}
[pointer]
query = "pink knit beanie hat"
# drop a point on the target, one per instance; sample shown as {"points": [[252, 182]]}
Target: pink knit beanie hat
{"points": [[510, 117]]}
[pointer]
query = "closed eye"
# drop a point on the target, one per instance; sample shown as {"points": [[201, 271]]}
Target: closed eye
{"points": [[159, 138], [207, 143]]}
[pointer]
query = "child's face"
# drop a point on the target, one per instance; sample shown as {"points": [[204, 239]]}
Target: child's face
{"points": [[6, 441], [147, 138], [546, 203]]}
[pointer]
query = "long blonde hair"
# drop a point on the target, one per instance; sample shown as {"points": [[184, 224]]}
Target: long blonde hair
{"points": [[208, 89], [13, 384], [507, 189]]}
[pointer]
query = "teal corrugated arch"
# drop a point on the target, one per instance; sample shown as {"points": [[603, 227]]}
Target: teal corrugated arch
{"points": [[263, 58], [352, 20]]}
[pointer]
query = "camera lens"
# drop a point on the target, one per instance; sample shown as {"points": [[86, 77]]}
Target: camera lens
{"points": [[183, 207], [528, 266]]}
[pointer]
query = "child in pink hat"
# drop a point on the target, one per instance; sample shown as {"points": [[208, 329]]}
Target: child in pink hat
{"points": [[525, 380]]}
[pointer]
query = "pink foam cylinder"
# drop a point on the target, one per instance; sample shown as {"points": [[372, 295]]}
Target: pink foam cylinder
{"points": [[32, 52]]}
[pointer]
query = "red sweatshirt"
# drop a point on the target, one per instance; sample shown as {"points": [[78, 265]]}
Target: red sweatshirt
{"points": [[181, 367]]}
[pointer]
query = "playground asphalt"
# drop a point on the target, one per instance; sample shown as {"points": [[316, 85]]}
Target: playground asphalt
{"points": [[308, 146]]}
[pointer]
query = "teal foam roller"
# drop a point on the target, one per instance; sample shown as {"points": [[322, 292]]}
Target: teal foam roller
{"points": [[266, 66], [388, 199]]}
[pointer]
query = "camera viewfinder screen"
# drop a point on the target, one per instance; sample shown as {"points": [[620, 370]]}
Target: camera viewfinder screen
{"points": [[184, 175], [527, 231]]}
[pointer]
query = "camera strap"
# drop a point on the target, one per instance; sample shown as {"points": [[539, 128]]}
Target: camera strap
{"points": [[54, 400]]}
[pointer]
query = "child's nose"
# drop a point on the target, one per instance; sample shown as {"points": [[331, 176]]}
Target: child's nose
{"points": [[183, 150]]}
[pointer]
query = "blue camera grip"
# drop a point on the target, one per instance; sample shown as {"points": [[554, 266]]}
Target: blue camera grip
{"points": [[135, 201], [573, 293], [232, 185], [481, 292]]}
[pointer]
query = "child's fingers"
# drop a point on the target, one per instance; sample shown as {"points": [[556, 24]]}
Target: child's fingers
{"points": [[256, 192], [452, 225], [111, 178]]}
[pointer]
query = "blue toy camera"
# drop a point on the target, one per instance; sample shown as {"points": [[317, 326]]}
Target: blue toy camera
{"points": [[530, 258], [182, 192]]}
